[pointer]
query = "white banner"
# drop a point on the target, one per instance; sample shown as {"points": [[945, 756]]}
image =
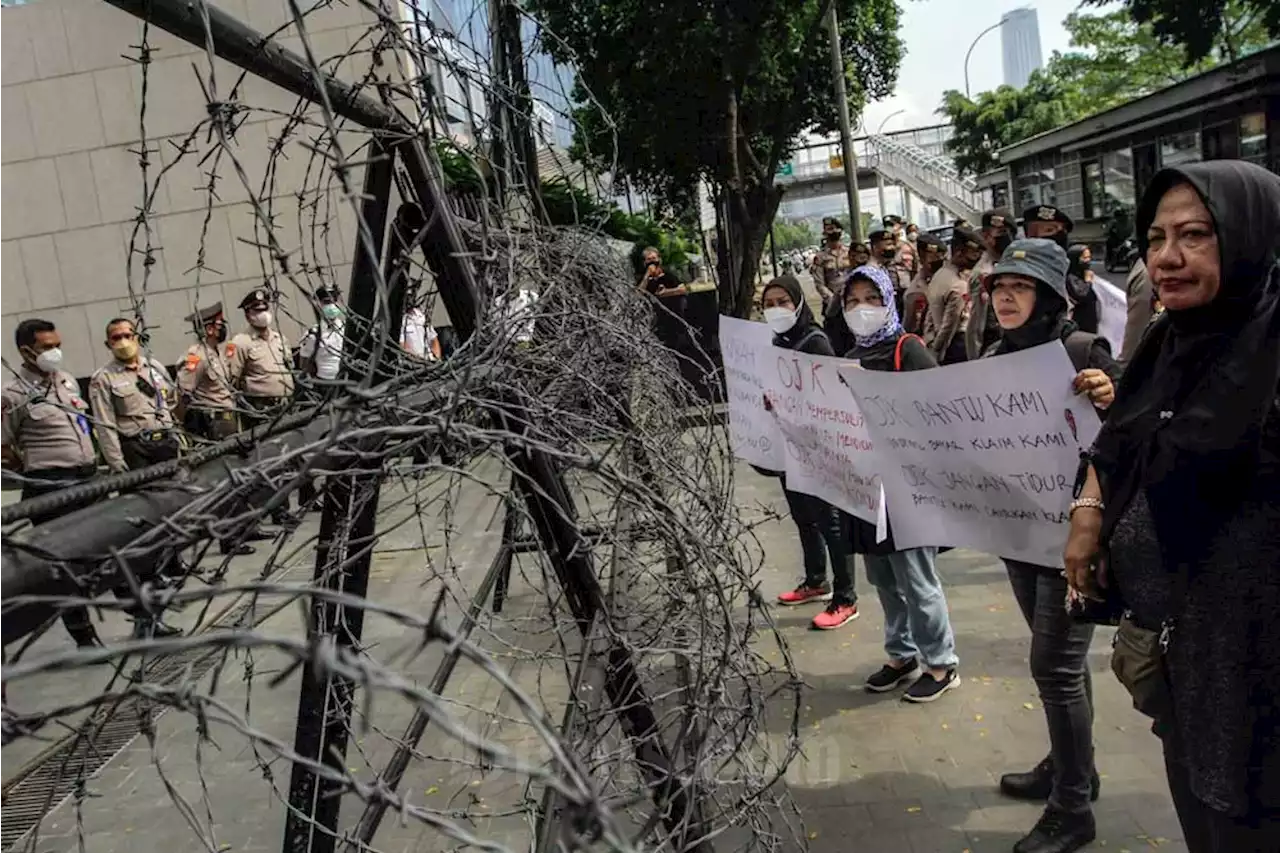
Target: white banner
{"points": [[748, 351], [829, 450], [983, 454], [1113, 312]]}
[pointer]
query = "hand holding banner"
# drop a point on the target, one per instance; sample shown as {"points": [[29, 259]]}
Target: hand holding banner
{"points": [[748, 353], [983, 454]]}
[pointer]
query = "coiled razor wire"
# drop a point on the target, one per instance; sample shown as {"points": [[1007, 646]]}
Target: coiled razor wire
{"points": [[187, 742]]}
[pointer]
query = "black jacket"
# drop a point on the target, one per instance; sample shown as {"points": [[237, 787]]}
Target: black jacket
{"points": [[883, 356]]}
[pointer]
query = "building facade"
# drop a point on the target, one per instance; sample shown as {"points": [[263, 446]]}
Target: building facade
{"points": [[1020, 46], [76, 248], [1097, 168]]}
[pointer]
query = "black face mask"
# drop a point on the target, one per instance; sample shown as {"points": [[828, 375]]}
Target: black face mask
{"points": [[222, 332], [1003, 240], [1062, 238], [935, 265], [888, 253]]}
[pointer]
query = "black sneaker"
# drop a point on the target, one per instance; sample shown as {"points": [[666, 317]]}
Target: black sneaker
{"points": [[1037, 783], [927, 688], [1058, 832], [890, 677]]}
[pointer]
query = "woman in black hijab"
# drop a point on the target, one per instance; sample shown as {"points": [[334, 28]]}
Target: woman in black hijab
{"points": [[822, 530], [1028, 292], [1084, 300], [1182, 495]]}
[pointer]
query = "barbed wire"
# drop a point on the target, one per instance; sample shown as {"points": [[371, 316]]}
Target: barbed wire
{"points": [[531, 742]]}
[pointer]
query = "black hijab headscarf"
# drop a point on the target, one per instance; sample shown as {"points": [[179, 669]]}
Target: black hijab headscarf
{"points": [[1077, 286], [804, 319], [1189, 413]]}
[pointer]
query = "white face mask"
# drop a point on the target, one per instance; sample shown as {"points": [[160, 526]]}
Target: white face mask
{"points": [[865, 320], [260, 320], [49, 360], [781, 319]]}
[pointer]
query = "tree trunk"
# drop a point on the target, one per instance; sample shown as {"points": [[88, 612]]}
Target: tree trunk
{"points": [[743, 244]]}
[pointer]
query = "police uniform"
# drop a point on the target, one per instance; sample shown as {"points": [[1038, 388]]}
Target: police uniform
{"points": [[828, 268], [46, 423], [133, 407], [982, 330], [205, 380], [898, 272], [259, 364], [949, 307]]}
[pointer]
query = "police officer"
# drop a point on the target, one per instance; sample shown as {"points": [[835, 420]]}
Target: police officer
{"points": [[884, 254], [894, 224], [47, 435], [1050, 223], [208, 402], [133, 401], [915, 302], [205, 379], [258, 360], [259, 363], [830, 263], [982, 330]]}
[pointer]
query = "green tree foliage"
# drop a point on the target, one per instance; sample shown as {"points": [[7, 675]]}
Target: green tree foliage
{"points": [[1227, 29], [1114, 59], [789, 234], [669, 93]]}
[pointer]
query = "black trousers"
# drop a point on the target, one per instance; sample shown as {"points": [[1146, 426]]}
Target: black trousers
{"points": [[1059, 665], [1206, 830], [44, 481]]}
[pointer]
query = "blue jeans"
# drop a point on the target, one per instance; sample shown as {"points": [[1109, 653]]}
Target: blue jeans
{"points": [[916, 622]]}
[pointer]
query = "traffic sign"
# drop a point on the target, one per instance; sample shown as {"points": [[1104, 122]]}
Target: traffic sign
{"points": [[836, 161], [787, 169]]}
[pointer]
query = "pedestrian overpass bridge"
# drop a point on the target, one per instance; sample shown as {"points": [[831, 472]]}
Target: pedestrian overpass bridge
{"points": [[914, 159]]}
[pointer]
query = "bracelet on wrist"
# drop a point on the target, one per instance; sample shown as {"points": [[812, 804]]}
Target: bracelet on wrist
{"points": [[1085, 503]]}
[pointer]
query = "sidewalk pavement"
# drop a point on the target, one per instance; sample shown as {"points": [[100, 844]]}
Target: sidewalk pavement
{"points": [[876, 775]]}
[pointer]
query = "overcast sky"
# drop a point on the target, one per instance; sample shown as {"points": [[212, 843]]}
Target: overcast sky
{"points": [[937, 33]]}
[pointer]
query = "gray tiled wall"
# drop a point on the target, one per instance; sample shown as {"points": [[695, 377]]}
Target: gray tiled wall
{"points": [[72, 184]]}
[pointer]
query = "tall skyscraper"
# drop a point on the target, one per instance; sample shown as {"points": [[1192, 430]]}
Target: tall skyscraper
{"points": [[1020, 45]]}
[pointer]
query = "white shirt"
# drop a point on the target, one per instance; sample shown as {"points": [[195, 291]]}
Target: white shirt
{"points": [[417, 335], [518, 314], [328, 355]]}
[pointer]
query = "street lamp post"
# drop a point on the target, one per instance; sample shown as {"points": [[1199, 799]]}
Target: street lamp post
{"points": [[846, 136], [969, 52]]}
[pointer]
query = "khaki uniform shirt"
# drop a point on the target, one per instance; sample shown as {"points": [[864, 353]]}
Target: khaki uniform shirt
{"points": [[915, 303], [261, 365], [1139, 314], [122, 409], [948, 306], [46, 421], [826, 268], [982, 317], [205, 377], [898, 274]]}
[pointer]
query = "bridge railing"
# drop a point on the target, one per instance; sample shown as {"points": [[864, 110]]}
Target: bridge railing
{"points": [[934, 171]]}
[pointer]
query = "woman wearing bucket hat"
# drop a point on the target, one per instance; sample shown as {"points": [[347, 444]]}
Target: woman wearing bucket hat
{"points": [[1028, 291]]}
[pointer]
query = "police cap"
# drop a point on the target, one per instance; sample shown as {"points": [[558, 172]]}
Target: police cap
{"points": [[1046, 213], [927, 239], [999, 217], [205, 316], [879, 234], [961, 236], [257, 296]]}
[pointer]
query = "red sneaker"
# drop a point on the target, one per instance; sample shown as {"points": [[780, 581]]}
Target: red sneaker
{"points": [[804, 594], [834, 616]]}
